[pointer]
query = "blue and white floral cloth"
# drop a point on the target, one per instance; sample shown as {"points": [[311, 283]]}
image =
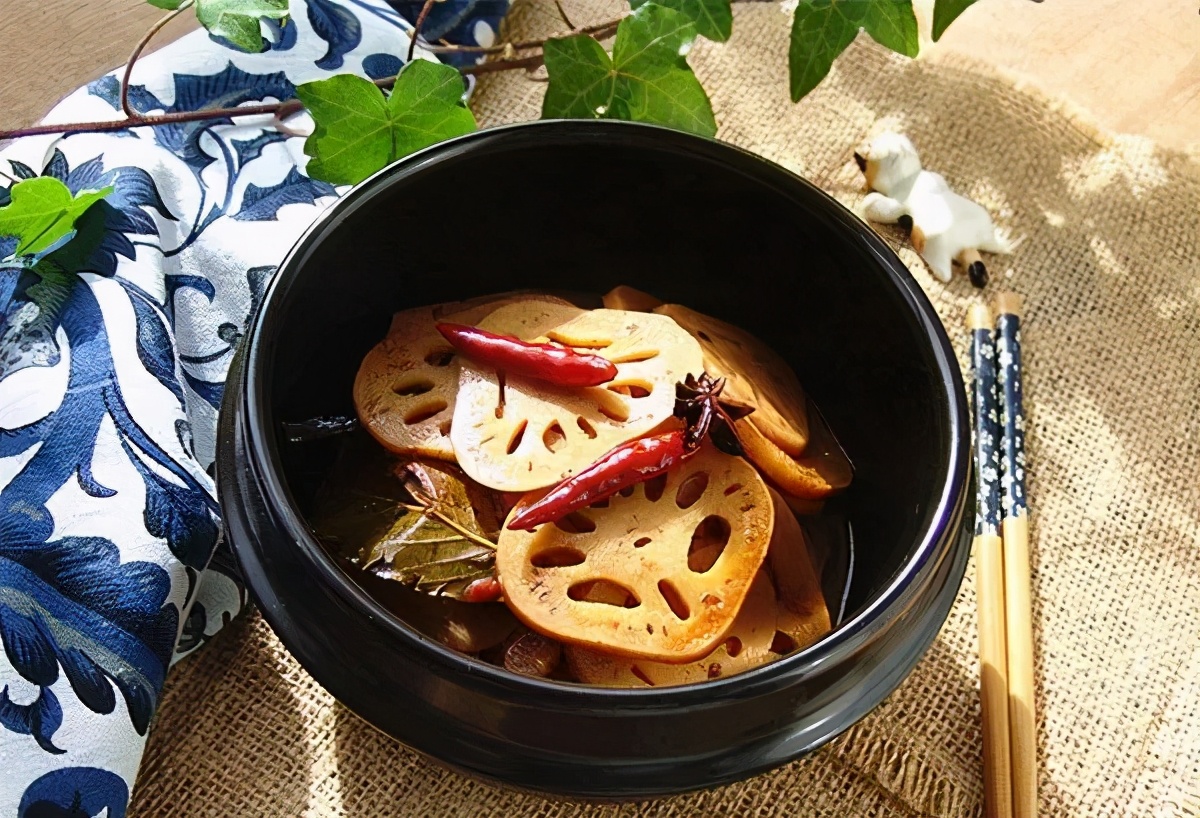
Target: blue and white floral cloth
{"points": [[108, 408]]}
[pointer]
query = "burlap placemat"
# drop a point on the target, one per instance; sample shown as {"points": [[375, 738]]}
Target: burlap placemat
{"points": [[1110, 267]]}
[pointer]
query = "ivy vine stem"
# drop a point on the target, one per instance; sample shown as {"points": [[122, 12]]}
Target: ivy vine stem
{"points": [[285, 108], [597, 31], [416, 32], [137, 52], [562, 12]]}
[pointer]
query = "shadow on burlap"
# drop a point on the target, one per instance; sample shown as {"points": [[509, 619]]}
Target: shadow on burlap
{"points": [[1109, 264]]}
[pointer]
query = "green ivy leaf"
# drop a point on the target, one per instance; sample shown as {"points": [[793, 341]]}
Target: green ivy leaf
{"points": [[237, 21], [427, 106], [822, 29], [712, 18], [352, 135], [42, 211], [581, 79], [649, 54], [647, 78], [358, 131], [893, 24], [946, 12], [58, 270]]}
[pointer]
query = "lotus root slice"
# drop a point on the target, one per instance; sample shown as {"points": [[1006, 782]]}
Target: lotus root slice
{"points": [[746, 645], [754, 374], [624, 297], [803, 613], [822, 470], [405, 389], [656, 572], [785, 610], [540, 433]]}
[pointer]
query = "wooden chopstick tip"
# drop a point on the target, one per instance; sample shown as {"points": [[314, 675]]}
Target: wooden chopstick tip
{"points": [[1009, 304], [979, 316]]}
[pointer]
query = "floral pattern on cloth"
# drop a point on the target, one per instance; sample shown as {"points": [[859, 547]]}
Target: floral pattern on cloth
{"points": [[110, 383]]}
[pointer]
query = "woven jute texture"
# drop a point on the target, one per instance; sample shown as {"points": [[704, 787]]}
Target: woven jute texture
{"points": [[1109, 264]]}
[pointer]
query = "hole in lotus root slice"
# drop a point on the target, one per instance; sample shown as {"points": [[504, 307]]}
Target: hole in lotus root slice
{"points": [[560, 556], [643, 545], [603, 592], [746, 645], [641, 676], [611, 404], [413, 366], [424, 411], [554, 437], [575, 523], [692, 489], [708, 543], [518, 434], [782, 644], [593, 420], [674, 599], [755, 375], [655, 487], [413, 384], [632, 389]]}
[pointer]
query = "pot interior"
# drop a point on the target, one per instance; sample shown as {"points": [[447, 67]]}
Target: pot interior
{"points": [[689, 221]]}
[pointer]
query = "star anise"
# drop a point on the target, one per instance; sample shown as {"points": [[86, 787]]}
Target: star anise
{"points": [[699, 405]]}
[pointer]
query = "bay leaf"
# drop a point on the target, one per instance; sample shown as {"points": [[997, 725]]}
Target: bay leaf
{"points": [[366, 513]]}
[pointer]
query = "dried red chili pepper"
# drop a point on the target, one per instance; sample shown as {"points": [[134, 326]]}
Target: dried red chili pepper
{"points": [[487, 589], [547, 362], [697, 403], [634, 461]]}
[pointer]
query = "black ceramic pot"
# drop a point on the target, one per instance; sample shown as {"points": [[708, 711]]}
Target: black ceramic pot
{"points": [[585, 206]]}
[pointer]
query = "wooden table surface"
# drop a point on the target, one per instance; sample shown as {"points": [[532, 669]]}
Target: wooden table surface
{"points": [[1134, 64]]}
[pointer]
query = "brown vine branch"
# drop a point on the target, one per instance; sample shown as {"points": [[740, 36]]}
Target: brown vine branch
{"points": [[284, 108], [502, 65], [137, 52], [599, 31], [562, 12], [416, 32]]}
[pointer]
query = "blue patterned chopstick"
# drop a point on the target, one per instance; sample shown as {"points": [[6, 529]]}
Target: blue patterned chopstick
{"points": [[989, 569], [987, 421], [1012, 410], [1017, 592]]}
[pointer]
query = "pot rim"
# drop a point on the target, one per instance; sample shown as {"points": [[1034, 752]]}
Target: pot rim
{"points": [[935, 540]]}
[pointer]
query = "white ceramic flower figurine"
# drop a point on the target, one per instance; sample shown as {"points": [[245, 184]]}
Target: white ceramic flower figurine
{"points": [[946, 227]]}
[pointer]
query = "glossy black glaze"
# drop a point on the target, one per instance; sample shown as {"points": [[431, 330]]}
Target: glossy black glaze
{"points": [[585, 206]]}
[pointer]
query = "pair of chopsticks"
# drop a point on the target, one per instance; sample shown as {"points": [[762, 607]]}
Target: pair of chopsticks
{"points": [[1002, 562]]}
